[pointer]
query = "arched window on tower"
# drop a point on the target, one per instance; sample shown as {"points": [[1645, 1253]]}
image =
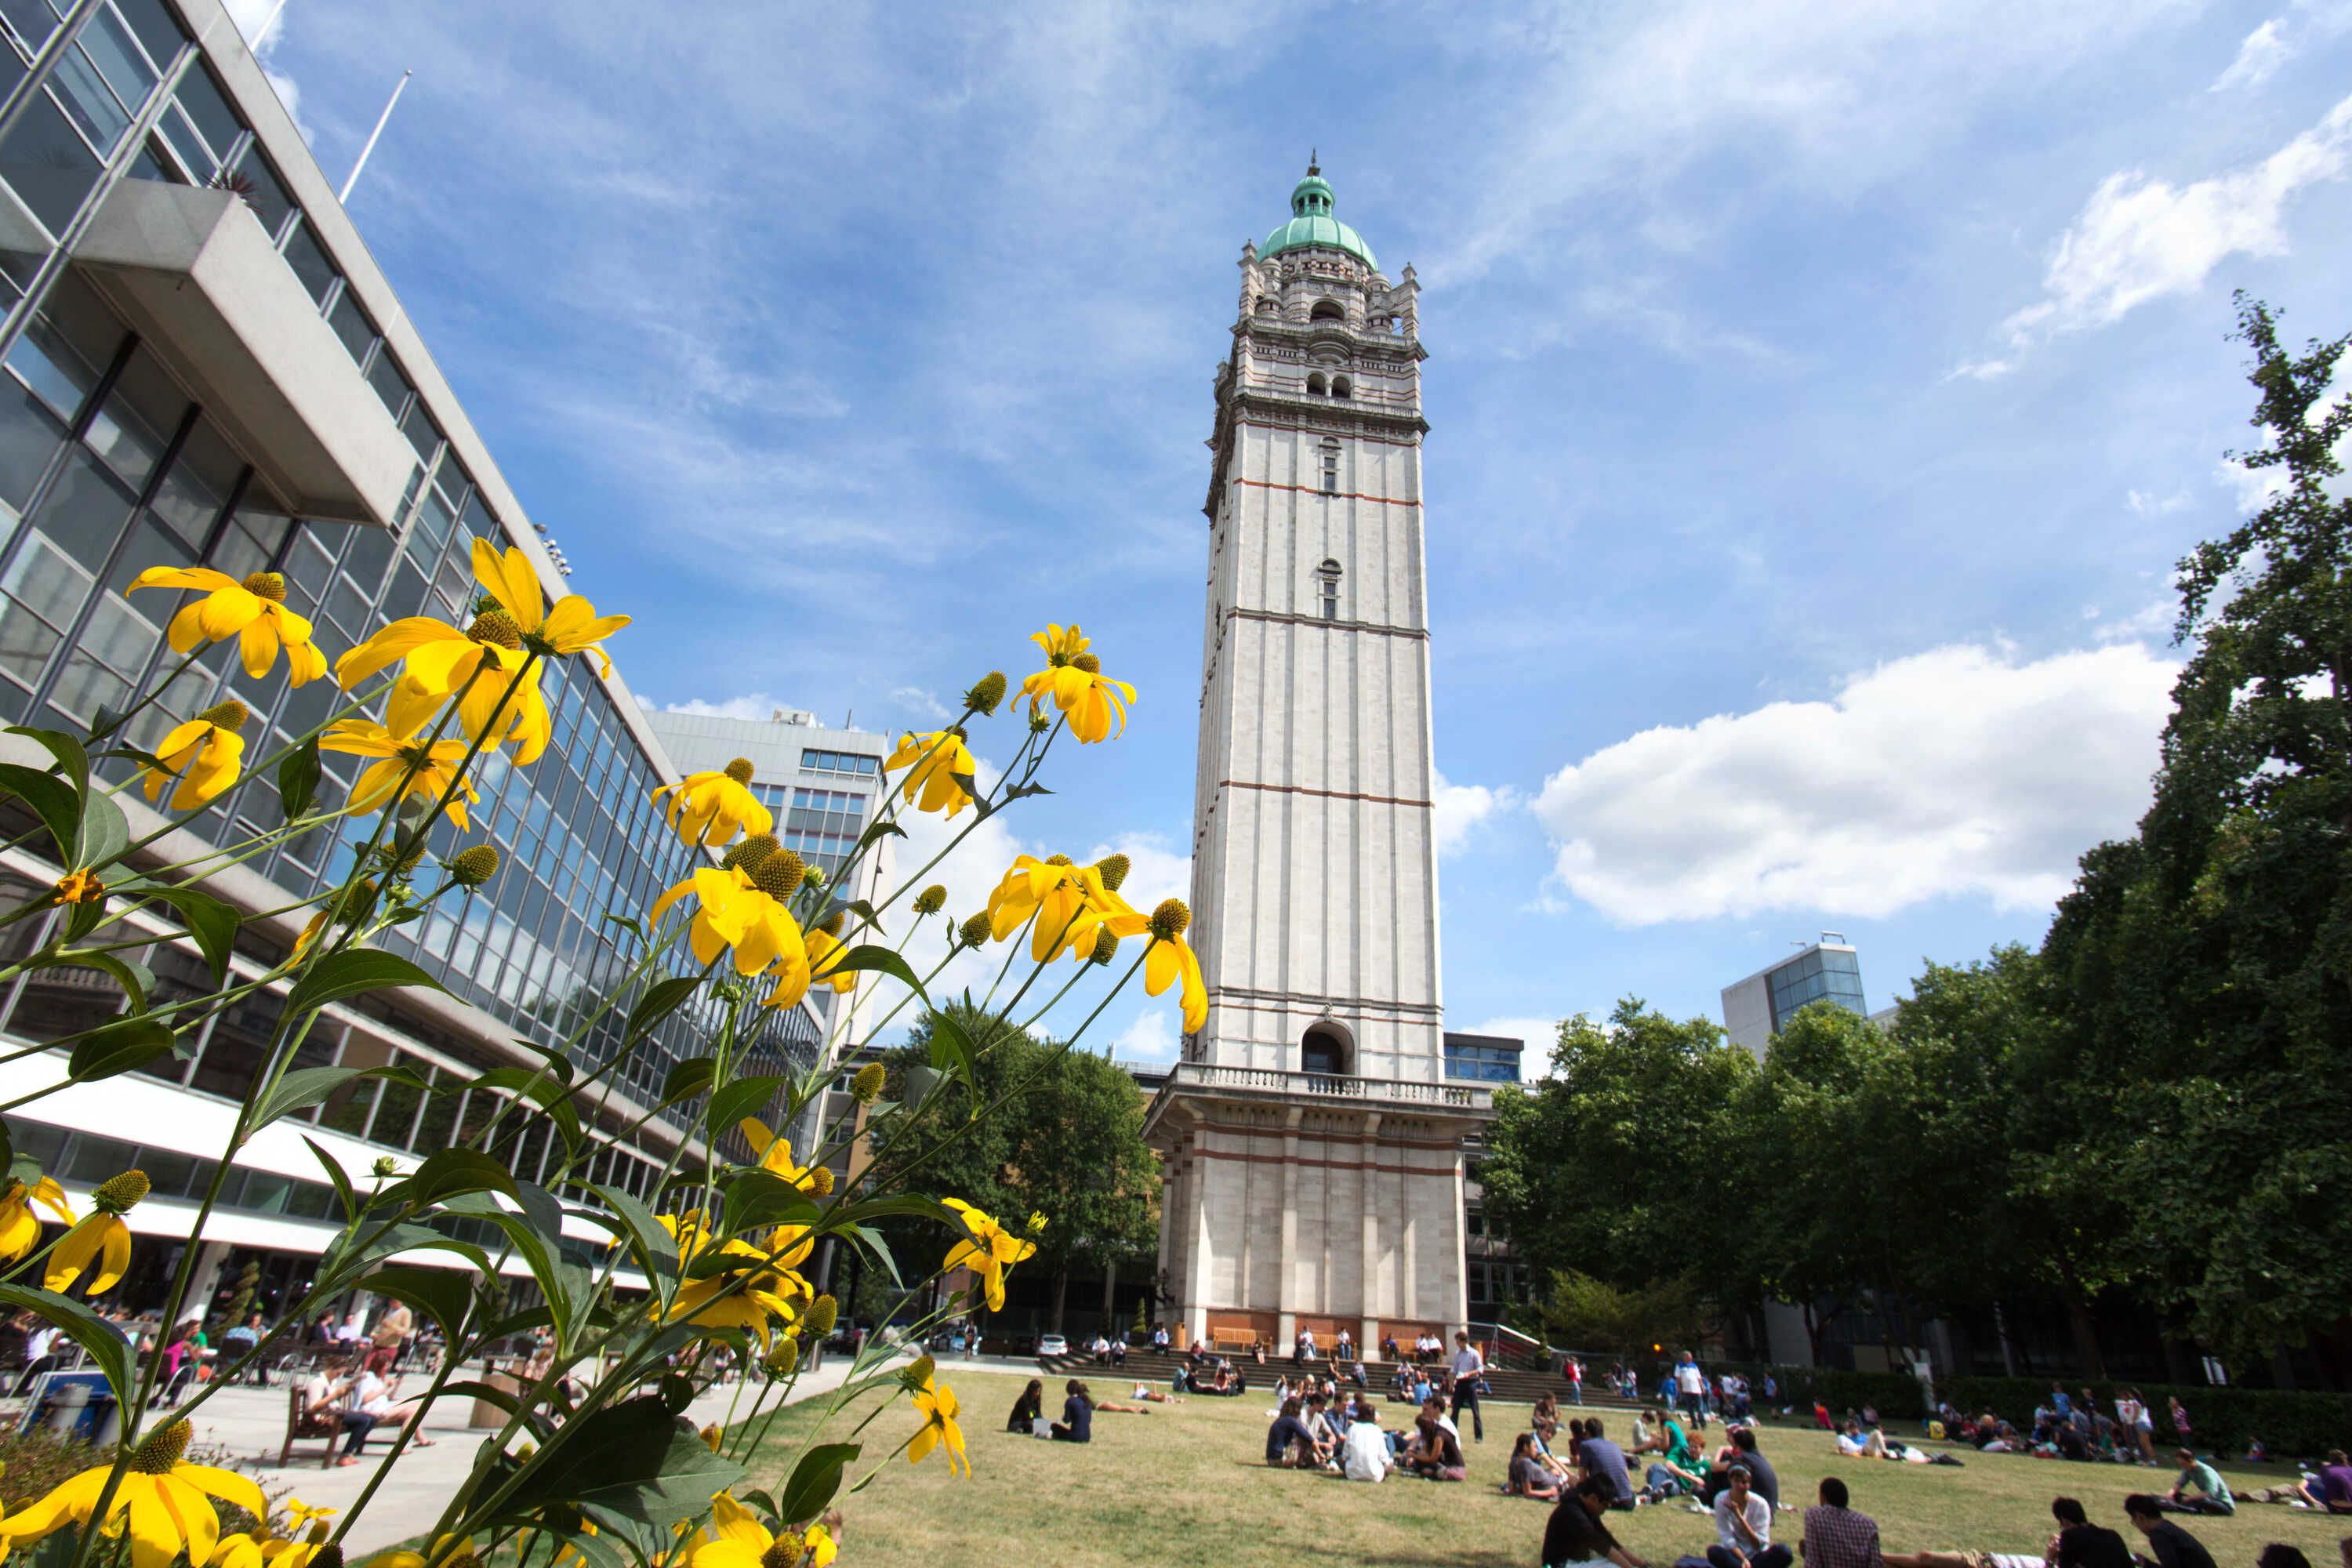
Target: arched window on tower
{"points": [[1325, 1052], [1328, 582], [1315, 384], [1327, 311], [1339, 387], [1330, 467]]}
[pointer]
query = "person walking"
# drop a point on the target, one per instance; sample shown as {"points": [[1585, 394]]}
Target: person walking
{"points": [[1469, 1366], [1575, 1370]]}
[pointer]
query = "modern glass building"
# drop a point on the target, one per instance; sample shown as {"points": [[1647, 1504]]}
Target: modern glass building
{"points": [[1483, 1059], [1827, 970], [201, 364]]}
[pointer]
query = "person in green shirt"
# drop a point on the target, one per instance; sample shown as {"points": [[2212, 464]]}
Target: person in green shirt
{"points": [[1676, 1470], [2200, 1487]]}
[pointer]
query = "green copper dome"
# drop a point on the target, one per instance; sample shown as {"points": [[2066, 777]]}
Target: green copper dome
{"points": [[1311, 222]]}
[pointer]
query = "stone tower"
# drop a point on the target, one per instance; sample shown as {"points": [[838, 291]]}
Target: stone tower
{"points": [[1312, 1143]]}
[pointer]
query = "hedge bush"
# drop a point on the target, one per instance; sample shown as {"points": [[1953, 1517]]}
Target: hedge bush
{"points": [[2220, 1419]]}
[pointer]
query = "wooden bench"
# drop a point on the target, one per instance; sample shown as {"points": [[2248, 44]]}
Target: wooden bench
{"points": [[324, 1427], [1231, 1341]]}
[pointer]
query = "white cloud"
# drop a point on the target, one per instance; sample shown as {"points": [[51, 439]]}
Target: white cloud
{"points": [[2153, 620], [1151, 1037], [1980, 370], [917, 700], [751, 705], [2139, 239], [1959, 771], [2147, 503], [1154, 871], [1461, 808], [2263, 52], [2251, 489]]}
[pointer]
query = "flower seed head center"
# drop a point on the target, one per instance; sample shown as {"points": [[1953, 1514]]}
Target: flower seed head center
{"points": [[268, 585], [739, 770], [162, 1449], [230, 715]]}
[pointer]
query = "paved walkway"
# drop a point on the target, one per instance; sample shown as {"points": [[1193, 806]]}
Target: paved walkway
{"points": [[250, 1425]]}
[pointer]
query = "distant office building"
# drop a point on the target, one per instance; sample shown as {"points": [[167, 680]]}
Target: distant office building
{"points": [[824, 785], [1755, 1009], [1484, 1058]]}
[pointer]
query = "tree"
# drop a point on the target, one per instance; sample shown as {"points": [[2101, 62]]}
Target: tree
{"points": [[1582, 1312], [1618, 1164], [1066, 1143]]}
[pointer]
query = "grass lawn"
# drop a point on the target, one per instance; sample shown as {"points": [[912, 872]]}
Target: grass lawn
{"points": [[1184, 1485]]}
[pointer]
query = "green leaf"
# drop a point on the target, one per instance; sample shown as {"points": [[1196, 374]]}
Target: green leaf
{"points": [[53, 800], [951, 1051], [540, 1087], [814, 1482], [881, 960], [631, 1460], [505, 1399], [105, 833], [740, 1098], [686, 1079], [297, 779], [445, 1295], [7, 1148], [660, 999], [559, 1066], [118, 1048], [350, 972], [895, 1205], [880, 827], [536, 1234], [211, 922], [305, 1086], [336, 1174], [71, 755], [84, 1327], [657, 1251], [756, 1198], [450, 1173]]}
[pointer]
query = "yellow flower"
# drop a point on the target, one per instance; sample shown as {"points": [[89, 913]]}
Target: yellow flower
{"points": [[572, 626], [988, 1250], [240, 1550], [100, 1237], [20, 1227], [435, 766], [80, 887], [437, 661], [775, 1153], [299, 1513], [731, 911], [740, 1540], [711, 808], [1072, 677], [936, 1402], [825, 951], [161, 1504], [1171, 956], [752, 1291], [254, 612], [1070, 902], [936, 756], [204, 754], [449, 1552]]}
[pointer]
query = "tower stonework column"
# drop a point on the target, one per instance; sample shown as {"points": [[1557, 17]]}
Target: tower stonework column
{"points": [[1317, 1141]]}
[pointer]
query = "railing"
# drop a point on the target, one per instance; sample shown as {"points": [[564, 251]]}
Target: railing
{"points": [[1273, 1080], [1506, 1347]]}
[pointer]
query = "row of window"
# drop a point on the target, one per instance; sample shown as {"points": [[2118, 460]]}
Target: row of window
{"points": [[1336, 387], [839, 762], [1485, 1064]]}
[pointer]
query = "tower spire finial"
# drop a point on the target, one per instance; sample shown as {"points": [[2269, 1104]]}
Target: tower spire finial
{"points": [[1313, 163]]}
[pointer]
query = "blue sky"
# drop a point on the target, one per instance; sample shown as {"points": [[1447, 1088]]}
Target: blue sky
{"points": [[1819, 394]]}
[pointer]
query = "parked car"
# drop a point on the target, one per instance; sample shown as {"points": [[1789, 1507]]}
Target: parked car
{"points": [[1053, 1344]]}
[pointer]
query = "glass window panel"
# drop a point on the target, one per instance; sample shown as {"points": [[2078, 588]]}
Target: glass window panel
{"points": [[80, 336], [118, 56], [86, 510], [49, 167], [207, 107], [351, 325], [156, 27], [251, 542], [264, 192], [32, 22], [364, 561], [87, 99], [310, 264], [389, 384], [421, 432], [198, 484], [310, 564], [64, 1001], [138, 420], [29, 439], [25, 639], [239, 1045]]}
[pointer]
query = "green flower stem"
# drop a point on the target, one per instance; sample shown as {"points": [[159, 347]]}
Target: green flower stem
{"points": [[400, 1444]]}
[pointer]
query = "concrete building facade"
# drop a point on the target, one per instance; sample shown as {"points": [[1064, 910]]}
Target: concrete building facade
{"points": [[1754, 1009], [1312, 1138]]}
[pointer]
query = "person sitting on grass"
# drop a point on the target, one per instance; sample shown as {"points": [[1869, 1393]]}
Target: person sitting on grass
{"points": [[1329, 1425], [2077, 1544], [1529, 1475], [1365, 1456], [1596, 1455], [1436, 1453], [2198, 1489], [1027, 1409], [1835, 1534], [1077, 1421], [1291, 1444], [2173, 1546], [1149, 1394], [1740, 1449], [1743, 1528], [1576, 1535], [1676, 1470]]}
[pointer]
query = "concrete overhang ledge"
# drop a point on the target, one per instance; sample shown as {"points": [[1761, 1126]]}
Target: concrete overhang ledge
{"points": [[192, 272]]}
